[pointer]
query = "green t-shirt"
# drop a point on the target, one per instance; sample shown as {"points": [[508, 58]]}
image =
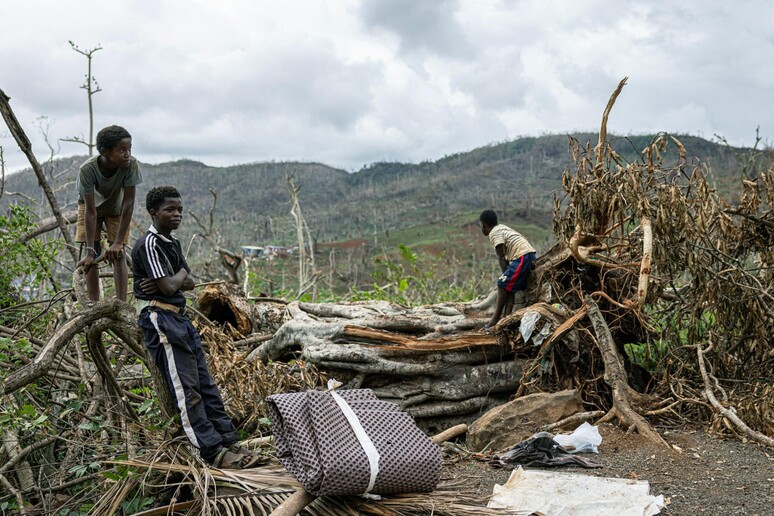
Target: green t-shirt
{"points": [[108, 191]]}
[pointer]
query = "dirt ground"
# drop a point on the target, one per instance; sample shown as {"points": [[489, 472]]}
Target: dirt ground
{"points": [[710, 475]]}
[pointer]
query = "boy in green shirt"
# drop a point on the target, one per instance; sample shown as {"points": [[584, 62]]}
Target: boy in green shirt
{"points": [[106, 186]]}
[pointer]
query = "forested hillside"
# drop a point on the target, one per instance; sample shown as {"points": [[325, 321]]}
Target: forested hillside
{"points": [[517, 178]]}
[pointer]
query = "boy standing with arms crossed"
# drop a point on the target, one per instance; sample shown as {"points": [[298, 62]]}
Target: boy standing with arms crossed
{"points": [[106, 185], [516, 257], [161, 274]]}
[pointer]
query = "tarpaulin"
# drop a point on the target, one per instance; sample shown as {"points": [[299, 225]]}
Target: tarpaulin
{"points": [[572, 494]]}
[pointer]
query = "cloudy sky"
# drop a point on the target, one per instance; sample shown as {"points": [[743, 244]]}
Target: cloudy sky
{"points": [[348, 82]]}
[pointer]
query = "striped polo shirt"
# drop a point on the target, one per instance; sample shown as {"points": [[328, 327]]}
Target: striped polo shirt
{"points": [[516, 245]]}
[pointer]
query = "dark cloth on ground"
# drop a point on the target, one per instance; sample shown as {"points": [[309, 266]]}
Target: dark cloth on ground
{"points": [[540, 450]]}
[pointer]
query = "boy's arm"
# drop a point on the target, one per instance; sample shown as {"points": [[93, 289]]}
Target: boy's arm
{"points": [[90, 223], [152, 286], [168, 285], [127, 208], [166, 282], [500, 250], [189, 282]]}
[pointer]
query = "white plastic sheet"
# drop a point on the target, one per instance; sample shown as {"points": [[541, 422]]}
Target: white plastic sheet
{"points": [[528, 322], [571, 494]]}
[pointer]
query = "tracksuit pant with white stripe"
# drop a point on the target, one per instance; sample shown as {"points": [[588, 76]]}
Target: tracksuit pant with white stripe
{"points": [[175, 347]]}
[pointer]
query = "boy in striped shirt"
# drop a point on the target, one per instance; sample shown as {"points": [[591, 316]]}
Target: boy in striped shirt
{"points": [[516, 257]]}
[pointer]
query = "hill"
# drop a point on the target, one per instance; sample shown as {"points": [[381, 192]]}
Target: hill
{"points": [[380, 202]]}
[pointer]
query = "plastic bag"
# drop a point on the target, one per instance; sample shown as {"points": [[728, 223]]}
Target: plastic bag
{"points": [[585, 438], [528, 322], [538, 338]]}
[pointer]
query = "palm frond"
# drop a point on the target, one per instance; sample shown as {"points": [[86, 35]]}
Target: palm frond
{"points": [[261, 490]]}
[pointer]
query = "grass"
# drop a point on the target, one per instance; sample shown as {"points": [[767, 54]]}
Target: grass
{"points": [[462, 228]]}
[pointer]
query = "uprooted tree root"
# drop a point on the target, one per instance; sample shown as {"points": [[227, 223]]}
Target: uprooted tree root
{"points": [[670, 262], [615, 376]]}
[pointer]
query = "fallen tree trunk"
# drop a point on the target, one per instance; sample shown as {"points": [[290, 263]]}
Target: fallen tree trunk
{"points": [[49, 224], [430, 360], [359, 322]]}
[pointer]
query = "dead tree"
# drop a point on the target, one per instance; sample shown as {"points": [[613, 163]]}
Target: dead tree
{"points": [[2, 172], [91, 86], [26, 148], [228, 259], [662, 253], [307, 273]]}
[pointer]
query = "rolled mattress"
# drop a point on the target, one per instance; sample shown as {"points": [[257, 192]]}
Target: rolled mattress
{"points": [[348, 442]]}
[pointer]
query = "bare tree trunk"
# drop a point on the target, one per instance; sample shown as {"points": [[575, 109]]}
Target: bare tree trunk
{"points": [[647, 253], [26, 148], [306, 278], [295, 211], [616, 378]]}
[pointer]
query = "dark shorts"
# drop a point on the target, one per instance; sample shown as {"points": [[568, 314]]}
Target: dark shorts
{"points": [[515, 276]]}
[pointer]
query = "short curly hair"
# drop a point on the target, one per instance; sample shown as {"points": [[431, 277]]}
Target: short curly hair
{"points": [[488, 217], [157, 195], [110, 136]]}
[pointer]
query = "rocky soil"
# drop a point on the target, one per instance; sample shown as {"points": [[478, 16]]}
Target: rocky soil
{"points": [[702, 475]]}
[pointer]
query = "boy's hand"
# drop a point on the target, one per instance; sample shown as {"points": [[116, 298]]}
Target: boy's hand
{"points": [[86, 263], [188, 282], [115, 252], [149, 287]]}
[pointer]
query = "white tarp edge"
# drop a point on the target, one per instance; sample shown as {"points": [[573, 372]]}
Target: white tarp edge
{"points": [[571, 494]]}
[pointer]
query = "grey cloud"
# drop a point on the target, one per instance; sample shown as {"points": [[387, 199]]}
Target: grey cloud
{"points": [[308, 84], [390, 79], [421, 25], [311, 84], [494, 81]]}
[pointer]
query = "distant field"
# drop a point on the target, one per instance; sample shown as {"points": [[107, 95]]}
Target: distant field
{"points": [[460, 229]]}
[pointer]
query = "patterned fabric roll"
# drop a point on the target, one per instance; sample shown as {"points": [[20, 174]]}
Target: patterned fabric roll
{"points": [[318, 444]]}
